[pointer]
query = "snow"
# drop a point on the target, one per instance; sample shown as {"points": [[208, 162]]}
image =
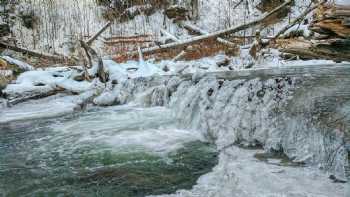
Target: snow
{"points": [[45, 81], [50, 107], [131, 69]]}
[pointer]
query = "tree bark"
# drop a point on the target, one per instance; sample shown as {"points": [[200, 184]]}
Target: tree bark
{"points": [[332, 49]]}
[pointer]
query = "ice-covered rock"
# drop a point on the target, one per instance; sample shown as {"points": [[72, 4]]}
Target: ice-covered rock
{"points": [[288, 114]]}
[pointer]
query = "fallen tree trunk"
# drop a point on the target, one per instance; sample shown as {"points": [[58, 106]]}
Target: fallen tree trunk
{"points": [[127, 37], [210, 36], [332, 20], [199, 31], [332, 26], [331, 49], [127, 41], [54, 58], [33, 96]]}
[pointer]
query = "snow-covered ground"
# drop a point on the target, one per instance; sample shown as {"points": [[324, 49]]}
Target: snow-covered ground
{"points": [[50, 107]]}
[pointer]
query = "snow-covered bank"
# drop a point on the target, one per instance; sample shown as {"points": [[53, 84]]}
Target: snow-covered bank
{"points": [[50, 107]]}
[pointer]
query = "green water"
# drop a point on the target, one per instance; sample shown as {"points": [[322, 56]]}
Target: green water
{"points": [[38, 160]]}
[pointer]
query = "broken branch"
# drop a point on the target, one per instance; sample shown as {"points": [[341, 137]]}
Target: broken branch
{"points": [[93, 38]]}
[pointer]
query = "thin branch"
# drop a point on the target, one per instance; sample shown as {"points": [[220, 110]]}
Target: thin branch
{"points": [[93, 38]]}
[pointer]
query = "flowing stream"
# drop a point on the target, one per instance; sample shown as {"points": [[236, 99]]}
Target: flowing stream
{"points": [[115, 151]]}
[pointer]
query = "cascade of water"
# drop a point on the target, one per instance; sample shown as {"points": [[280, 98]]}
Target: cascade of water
{"points": [[284, 114]]}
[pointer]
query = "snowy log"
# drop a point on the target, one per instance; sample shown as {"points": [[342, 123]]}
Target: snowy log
{"points": [[331, 26], [54, 58], [332, 20], [34, 95], [196, 29]]}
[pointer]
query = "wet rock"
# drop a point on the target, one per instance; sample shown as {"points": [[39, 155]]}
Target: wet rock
{"points": [[336, 180], [166, 69], [223, 63], [79, 78], [250, 65], [57, 75], [4, 29], [260, 93], [221, 83], [114, 82], [289, 80], [39, 84], [132, 69], [210, 92], [278, 80]]}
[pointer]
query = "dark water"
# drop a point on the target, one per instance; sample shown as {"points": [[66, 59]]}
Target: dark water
{"points": [[85, 155]]}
